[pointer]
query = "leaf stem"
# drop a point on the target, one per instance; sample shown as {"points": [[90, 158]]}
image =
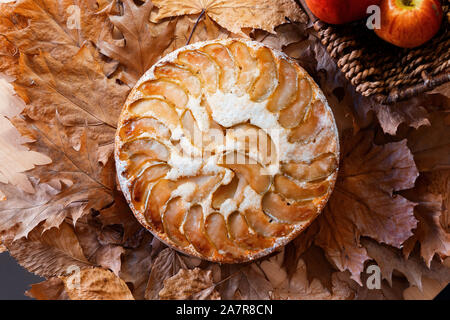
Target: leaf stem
{"points": [[195, 25]]}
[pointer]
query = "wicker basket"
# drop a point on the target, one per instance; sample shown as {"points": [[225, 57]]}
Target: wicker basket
{"points": [[381, 70]]}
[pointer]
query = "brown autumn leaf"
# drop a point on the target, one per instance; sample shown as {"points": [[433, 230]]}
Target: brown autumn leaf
{"points": [[440, 184], [142, 43], [51, 253], [2, 247], [430, 290], [166, 264], [136, 265], [73, 109], [430, 144], [57, 28], [430, 232], [318, 267], [15, 156], [364, 202], [75, 183], [234, 15], [190, 284], [121, 214], [102, 244], [386, 291], [413, 268], [284, 35], [77, 93], [205, 29], [96, 284], [51, 289], [300, 285]]}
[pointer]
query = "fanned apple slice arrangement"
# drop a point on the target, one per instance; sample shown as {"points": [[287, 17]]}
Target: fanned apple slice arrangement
{"points": [[226, 150]]}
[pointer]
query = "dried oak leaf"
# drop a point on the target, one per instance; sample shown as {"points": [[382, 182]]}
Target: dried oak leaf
{"points": [[77, 92], [75, 183], [234, 15], [190, 284], [51, 253], [15, 156], [73, 109], [51, 289], [413, 268], [96, 284], [142, 43], [57, 28], [364, 202], [430, 232]]}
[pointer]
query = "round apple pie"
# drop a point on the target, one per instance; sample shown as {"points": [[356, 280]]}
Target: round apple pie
{"points": [[226, 150]]}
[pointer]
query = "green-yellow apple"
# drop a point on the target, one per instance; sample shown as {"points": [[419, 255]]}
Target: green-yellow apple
{"points": [[340, 11], [409, 23]]}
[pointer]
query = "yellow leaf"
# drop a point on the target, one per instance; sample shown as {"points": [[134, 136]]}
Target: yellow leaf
{"points": [[234, 15]]}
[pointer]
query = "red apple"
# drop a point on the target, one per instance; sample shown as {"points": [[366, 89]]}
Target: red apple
{"points": [[409, 23], [340, 11]]}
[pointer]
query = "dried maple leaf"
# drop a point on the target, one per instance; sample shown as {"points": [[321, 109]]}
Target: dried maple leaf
{"points": [[300, 285], [342, 280], [390, 259], [439, 183], [15, 156], [143, 44], [96, 284], [235, 14], [431, 144], [51, 253], [205, 29], [190, 284], [57, 28], [430, 233], [364, 203], [430, 288]]}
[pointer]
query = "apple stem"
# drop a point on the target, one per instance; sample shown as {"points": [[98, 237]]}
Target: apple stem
{"points": [[408, 3]]}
